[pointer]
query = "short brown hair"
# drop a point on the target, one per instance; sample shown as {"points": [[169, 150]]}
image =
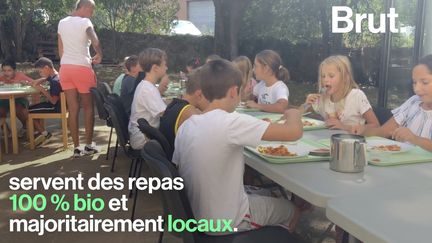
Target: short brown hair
{"points": [[150, 57], [42, 62], [130, 62], [217, 77], [193, 84]]}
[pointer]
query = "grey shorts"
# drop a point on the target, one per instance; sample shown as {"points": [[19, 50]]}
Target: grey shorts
{"points": [[266, 211]]}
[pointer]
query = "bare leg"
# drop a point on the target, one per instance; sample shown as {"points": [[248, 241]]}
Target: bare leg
{"points": [[22, 114], [296, 217], [73, 107], [38, 124], [87, 103]]}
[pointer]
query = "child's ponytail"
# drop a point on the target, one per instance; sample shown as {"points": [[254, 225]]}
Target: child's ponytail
{"points": [[283, 74]]}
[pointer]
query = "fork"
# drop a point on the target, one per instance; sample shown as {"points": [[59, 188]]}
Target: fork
{"points": [[321, 91]]}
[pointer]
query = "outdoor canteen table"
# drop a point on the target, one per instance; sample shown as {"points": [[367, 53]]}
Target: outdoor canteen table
{"points": [[316, 183], [11, 93], [396, 216]]}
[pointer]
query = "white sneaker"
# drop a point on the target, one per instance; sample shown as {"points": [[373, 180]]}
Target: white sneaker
{"points": [[88, 150]]}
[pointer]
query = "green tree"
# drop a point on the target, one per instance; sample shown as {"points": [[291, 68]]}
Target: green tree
{"points": [[14, 21], [149, 16], [142, 16]]}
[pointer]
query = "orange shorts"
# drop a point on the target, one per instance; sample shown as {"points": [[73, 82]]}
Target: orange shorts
{"points": [[77, 77]]}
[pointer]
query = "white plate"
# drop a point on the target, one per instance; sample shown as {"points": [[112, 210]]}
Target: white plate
{"points": [[379, 142], [315, 123], [293, 148]]}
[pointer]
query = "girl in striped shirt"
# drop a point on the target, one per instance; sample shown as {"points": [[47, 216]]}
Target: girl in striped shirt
{"points": [[412, 121]]}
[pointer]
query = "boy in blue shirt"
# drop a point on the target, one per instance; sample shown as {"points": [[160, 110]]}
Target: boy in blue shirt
{"points": [[52, 104]]}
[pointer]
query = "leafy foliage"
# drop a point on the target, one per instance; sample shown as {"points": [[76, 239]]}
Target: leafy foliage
{"points": [[149, 16], [300, 21]]}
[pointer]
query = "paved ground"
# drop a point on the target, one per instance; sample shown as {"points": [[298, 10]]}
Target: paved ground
{"points": [[52, 161]]}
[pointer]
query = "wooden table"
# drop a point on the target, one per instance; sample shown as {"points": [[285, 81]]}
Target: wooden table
{"points": [[12, 94]]}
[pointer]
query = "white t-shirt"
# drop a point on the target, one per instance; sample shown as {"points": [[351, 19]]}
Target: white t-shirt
{"points": [[76, 43], [148, 104], [270, 95], [349, 110], [411, 115], [209, 154]]}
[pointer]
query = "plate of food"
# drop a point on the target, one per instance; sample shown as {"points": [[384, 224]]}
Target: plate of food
{"points": [[281, 151], [387, 146], [307, 122]]}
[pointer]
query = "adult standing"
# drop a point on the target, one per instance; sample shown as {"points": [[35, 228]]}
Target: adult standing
{"points": [[75, 34]]}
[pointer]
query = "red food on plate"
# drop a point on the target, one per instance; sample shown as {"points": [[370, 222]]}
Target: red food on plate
{"points": [[276, 151], [387, 148], [308, 124]]}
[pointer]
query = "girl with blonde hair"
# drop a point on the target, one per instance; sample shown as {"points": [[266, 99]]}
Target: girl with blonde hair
{"points": [[248, 83], [339, 100]]}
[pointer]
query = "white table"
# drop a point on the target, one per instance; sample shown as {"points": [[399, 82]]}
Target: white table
{"points": [[381, 204], [395, 216], [316, 183]]}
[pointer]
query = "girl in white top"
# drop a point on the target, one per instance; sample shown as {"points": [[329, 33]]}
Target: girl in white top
{"points": [[271, 92], [341, 103], [412, 121]]}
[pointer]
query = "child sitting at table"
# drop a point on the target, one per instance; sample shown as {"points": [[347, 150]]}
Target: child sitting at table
{"points": [[119, 80], [343, 105], [209, 154], [248, 82], [11, 76], [191, 65], [147, 102], [52, 104], [179, 110], [412, 121], [128, 84], [271, 92]]}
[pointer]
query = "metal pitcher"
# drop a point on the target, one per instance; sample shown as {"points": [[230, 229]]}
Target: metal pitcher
{"points": [[348, 153]]}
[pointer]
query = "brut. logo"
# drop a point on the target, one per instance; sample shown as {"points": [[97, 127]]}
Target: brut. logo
{"points": [[337, 19]]}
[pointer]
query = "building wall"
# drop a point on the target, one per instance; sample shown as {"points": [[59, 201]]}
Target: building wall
{"points": [[202, 14], [182, 13]]}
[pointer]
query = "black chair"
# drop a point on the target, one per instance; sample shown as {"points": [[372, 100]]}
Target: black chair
{"points": [[104, 88], [103, 113], [120, 121], [383, 114], [176, 203], [153, 133]]}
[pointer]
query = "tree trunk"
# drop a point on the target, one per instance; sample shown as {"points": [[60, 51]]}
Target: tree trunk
{"points": [[5, 43], [325, 27], [228, 14], [18, 34], [6, 48]]}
